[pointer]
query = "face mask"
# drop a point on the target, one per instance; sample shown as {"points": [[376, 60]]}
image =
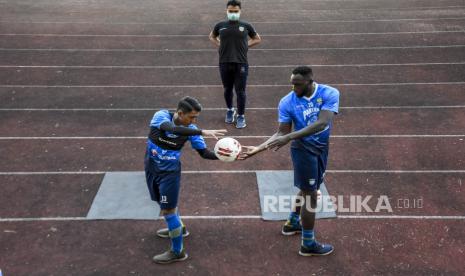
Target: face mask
{"points": [[234, 16]]}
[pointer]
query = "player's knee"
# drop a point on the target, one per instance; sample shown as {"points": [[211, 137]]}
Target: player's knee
{"points": [[240, 93], [312, 195]]}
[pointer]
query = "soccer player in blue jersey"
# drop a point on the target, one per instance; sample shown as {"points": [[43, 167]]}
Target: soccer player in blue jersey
{"points": [[168, 134], [310, 107]]}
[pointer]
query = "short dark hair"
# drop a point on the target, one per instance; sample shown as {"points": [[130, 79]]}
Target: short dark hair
{"points": [[234, 3], [188, 104], [305, 71]]}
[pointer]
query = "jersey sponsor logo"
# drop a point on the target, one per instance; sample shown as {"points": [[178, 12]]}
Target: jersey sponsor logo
{"points": [[166, 141], [241, 28], [167, 157], [309, 111], [223, 29]]}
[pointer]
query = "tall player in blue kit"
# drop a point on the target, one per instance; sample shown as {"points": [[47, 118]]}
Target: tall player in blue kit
{"points": [[168, 134], [310, 107]]}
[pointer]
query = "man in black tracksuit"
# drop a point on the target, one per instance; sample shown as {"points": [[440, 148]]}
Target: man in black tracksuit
{"points": [[232, 38]]}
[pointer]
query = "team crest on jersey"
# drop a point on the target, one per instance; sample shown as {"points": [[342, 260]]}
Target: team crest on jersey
{"points": [[319, 100], [241, 28]]}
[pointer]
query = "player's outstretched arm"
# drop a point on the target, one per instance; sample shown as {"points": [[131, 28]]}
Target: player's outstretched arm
{"points": [[324, 119], [207, 154], [187, 131], [214, 133], [198, 143], [179, 130], [283, 129]]}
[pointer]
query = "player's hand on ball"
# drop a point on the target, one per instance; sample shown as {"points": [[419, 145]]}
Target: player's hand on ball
{"points": [[214, 133], [247, 152], [278, 142]]}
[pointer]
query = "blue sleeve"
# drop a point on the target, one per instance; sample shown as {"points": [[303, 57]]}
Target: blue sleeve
{"points": [[197, 141], [284, 115], [159, 118], [331, 102]]}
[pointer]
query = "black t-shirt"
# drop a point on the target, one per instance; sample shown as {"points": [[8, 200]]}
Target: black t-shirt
{"points": [[233, 40]]}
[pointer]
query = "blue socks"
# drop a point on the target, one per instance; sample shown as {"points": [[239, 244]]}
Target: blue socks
{"points": [[175, 228], [308, 238], [294, 218]]}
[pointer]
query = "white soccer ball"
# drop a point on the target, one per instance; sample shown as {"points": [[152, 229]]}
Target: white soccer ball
{"points": [[227, 149]]}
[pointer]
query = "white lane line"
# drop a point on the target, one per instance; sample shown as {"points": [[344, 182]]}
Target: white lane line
{"points": [[55, 173], [216, 66], [220, 86], [233, 136], [43, 219], [400, 217], [222, 108], [404, 107], [248, 172], [214, 50], [369, 9], [360, 9], [232, 217], [223, 217], [252, 22], [206, 35], [274, 11], [340, 171]]}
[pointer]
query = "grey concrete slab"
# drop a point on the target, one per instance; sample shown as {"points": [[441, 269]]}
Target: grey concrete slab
{"points": [[276, 189], [123, 195]]}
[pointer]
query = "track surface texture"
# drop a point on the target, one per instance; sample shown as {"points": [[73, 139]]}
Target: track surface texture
{"points": [[80, 80]]}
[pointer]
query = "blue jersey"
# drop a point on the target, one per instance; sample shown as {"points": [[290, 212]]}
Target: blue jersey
{"points": [[304, 111], [164, 148]]}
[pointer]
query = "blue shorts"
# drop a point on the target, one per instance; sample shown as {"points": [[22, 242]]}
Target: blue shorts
{"points": [[309, 168], [164, 187]]}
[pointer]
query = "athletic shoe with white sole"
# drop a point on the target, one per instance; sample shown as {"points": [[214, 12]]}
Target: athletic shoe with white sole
{"points": [[230, 116], [289, 229], [318, 249], [170, 257], [240, 122]]}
